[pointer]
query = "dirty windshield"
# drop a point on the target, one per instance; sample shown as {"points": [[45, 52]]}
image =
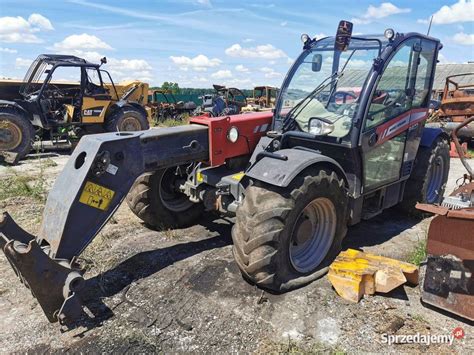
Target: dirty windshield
{"points": [[338, 78]]}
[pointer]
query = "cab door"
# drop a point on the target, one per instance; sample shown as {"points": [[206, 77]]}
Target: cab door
{"points": [[96, 98], [394, 120]]}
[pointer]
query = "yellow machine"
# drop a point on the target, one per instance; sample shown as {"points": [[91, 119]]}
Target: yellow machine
{"points": [[50, 108]]}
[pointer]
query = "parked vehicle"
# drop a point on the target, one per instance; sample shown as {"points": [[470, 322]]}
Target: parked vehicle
{"points": [[86, 105], [295, 178]]}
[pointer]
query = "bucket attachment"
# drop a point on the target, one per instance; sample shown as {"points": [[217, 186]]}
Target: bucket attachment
{"points": [[52, 282], [85, 195]]}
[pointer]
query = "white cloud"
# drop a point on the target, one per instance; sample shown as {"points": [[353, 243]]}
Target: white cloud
{"points": [[373, 13], [443, 60], [284, 23], [41, 22], [22, 63], [266, 51], [241, 68], [222, 74], [464, 39], [321, 35], [270, 73], [130, 64], [8, 50], [81, 42], [198, 63], [204, 2], [19, 30], [248, 40], [462, 11]]}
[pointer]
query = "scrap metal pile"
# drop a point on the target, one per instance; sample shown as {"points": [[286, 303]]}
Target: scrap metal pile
{"points": [[448, 282]]}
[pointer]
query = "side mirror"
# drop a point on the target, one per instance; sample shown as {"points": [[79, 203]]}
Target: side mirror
{"points": [[435, 104], [103, 60], [317, 62]]}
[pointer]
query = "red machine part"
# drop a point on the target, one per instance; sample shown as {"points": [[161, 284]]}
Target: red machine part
{"points": [[251, 127]]}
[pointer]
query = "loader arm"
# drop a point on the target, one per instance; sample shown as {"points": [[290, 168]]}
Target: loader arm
{"points": [[90, 188]]}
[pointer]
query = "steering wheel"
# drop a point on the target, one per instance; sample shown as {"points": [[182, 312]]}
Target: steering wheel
{"points": [[345, 95]]}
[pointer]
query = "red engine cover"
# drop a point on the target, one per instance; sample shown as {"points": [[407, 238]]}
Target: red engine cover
{"points": [[251, 127]]}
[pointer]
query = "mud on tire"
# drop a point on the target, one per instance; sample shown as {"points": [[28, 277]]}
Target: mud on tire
{"points": [[146, 201], [265, 224], [427, 182]]}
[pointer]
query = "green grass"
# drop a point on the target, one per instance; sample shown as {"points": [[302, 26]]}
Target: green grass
{"points": [[170, 122], [22, 185], [419, 254]]}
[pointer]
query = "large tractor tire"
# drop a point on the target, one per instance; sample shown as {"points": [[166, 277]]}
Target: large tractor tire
{"points": [[285, 238], [16, 133], [125, 119], [156, 200], [427, 182]]}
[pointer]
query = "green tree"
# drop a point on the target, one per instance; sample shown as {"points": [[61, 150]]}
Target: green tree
{"points": [[173, 87]]}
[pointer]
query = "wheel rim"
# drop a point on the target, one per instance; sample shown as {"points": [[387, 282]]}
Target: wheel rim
{"points": [[435, 180], [10, 135], [130, 124], [169, 193], [313, 234]]}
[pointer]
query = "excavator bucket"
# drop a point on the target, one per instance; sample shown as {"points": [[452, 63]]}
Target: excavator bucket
{"points": [[90, 188], [448, 281]]}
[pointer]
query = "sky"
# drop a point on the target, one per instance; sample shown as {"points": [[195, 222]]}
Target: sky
{"points": [[200, 42]]}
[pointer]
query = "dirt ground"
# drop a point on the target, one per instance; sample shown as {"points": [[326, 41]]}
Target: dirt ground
{"points": [[180, 290]]}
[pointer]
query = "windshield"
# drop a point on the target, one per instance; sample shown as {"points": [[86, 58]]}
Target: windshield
{"points": [[338, 78], [35, 76]]}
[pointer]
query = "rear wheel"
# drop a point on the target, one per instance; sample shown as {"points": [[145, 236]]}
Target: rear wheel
{"points": [[427, 182], [155, 198], [16, 134], [125, 119], [285, 238]]}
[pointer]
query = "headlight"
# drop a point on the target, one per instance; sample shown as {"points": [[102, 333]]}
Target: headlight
{"points": [[305, 38], [233, 134], [389, 34], [320, 127]]}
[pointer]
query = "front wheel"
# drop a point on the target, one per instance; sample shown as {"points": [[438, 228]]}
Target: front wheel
{"points": [[127, 118], [16, 134], [285, 238], [155, 198]]}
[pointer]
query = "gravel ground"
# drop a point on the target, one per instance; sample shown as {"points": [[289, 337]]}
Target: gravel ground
{"points": [[180, 290]]}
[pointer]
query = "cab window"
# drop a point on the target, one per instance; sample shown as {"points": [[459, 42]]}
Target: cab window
{"points": [[390, 96]]}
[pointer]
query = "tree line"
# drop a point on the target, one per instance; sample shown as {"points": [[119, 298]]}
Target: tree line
{"points": [[175, 89]]}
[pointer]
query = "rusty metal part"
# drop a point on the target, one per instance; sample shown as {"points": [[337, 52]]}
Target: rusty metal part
{"points": [[448, 282], [457, 102], [454, 136], [53, 282]]}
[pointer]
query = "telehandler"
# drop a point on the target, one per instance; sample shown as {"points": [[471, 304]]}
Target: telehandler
{"points": [[90, 103], [295, 178]]}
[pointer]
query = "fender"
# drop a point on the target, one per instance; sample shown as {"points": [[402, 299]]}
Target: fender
{"points": [[124, 103], [281, 173], [430, 134], [14, 105]]}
